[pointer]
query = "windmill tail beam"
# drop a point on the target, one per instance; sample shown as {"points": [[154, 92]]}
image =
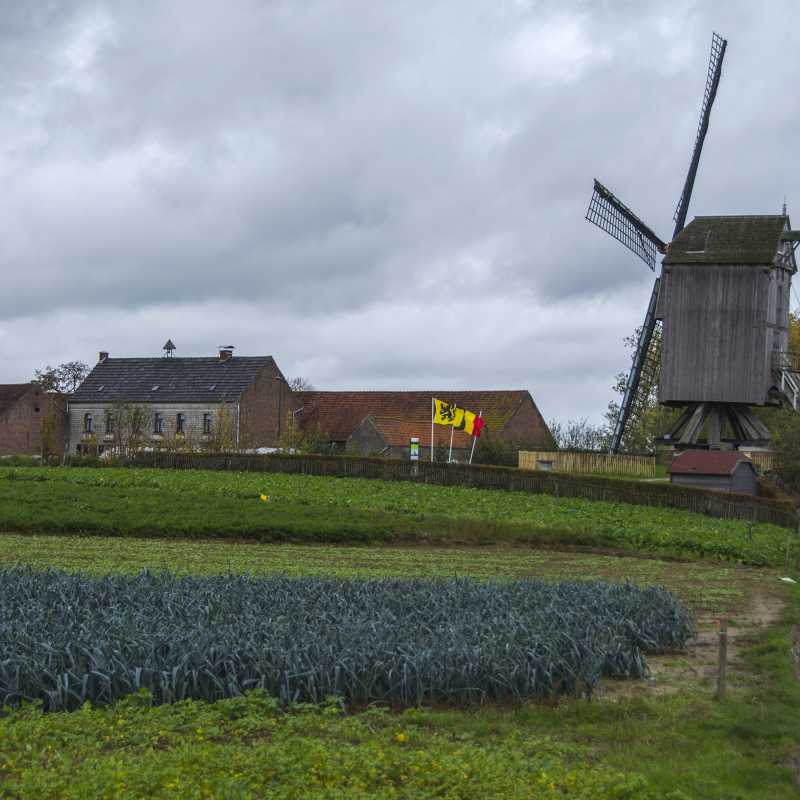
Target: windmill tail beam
{"points": [[718, 45]]}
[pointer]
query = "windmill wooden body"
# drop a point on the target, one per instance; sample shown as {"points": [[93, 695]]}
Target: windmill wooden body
{"points": [[724, 303], [716, 328]]}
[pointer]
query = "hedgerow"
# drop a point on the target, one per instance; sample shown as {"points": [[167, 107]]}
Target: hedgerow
{"points": [[67, 639]]}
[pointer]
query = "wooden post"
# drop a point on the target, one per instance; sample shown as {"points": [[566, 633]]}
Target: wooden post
{"points": [[722, 666]]}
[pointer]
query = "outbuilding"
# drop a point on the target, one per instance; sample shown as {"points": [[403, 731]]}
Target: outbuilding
{"points": [[720, 470]]}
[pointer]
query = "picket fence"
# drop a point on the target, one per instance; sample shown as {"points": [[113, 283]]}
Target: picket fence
{"points": [[589, 463]]}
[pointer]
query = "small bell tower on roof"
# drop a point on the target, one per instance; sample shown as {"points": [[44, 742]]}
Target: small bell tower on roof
{"points": [[168, 348]]}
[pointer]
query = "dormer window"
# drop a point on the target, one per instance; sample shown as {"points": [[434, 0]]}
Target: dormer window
{"points": [[180, 423], [88, 423]]}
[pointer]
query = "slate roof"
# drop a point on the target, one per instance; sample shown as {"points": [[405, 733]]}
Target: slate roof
{"points": [[338, 414], [10, 393], [728, 240], [187, 380], [398, 432], [707, 462]]}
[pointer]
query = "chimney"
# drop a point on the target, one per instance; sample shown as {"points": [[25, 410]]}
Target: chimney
{"points": [[102, 357], [225, 354]]}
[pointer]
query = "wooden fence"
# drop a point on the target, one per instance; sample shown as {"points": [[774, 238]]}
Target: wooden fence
{"points": [[588, 463], [714, 504], [762, 461]]}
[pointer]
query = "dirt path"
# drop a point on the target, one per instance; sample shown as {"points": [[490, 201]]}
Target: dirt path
{"points": [[696, 669]]}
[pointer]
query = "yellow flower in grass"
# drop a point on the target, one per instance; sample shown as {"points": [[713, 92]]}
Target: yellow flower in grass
{"points": [[264, 497], [400, 737]]}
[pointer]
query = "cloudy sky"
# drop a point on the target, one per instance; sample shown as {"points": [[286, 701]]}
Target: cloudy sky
{"points": [[380, 195]]}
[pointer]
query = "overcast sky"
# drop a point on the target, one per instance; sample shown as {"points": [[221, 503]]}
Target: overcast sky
{"points": [[380, 195]]}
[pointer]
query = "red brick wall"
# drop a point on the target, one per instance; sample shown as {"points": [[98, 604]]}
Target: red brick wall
{"points": [[527, 428], [21, 425], [266, 409]]}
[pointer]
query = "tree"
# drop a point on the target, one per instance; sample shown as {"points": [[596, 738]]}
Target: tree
{"points": [[579, 434], [65, 378], [131, 426], [301, 384]]}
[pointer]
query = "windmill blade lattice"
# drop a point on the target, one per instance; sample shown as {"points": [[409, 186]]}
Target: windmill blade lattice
{"points": [[718, 45], [610, 214]]}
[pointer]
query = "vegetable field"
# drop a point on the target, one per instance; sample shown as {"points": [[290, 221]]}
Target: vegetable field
{"points": [[67, 639], [203, 504]]}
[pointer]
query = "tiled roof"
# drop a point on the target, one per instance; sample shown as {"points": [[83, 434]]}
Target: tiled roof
{"points": [[398, 432], [10, 393], [728, 240], [188, 380], [707, 462], [338, 414]]}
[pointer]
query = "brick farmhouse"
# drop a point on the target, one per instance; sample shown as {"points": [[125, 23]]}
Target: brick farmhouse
{"points": [[384, 422], [186, 400], [31, 420]]}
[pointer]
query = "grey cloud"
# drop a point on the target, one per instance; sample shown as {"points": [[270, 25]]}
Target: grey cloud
{"points": [[331, 161]]}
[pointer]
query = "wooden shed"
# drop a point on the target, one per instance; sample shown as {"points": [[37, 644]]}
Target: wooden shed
{"points": [[720, 470]]}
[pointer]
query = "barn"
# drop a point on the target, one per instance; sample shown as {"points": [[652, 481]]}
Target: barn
{"points": [[374, 421], [720, 470]]}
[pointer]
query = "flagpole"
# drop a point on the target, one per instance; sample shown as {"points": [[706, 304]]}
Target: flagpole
{"points": [[433, 411], [474, 440], [450, 454]]}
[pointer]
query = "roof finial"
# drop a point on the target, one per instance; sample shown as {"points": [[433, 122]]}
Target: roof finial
{"points": [[168, 348], [784, 206]]}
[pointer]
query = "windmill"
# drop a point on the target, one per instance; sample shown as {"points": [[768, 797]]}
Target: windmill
{"points": [[613, 216]]}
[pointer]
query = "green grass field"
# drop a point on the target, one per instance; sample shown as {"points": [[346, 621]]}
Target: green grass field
{"points": [[206, 504], [664, 737]]}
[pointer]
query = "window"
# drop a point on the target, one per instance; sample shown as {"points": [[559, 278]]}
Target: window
{"points": [[109, 424], [88, 423], [206, 424], [180, 423], [158, 423]]}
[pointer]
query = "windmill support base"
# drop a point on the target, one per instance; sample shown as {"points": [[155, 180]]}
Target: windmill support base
{"points": [[747, 429]]}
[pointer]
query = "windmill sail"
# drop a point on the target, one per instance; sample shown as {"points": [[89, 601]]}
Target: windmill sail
{"points": [[646, 359], [718, 45], [643, 374], [610, 214]]}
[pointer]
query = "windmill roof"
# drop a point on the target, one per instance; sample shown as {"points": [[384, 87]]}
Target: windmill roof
{"points": [[398, 432], [728, 240], [10, 393], [708, 462], [169, 380], [338, 414]]}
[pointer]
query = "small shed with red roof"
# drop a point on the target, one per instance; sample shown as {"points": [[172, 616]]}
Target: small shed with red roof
{"points": [[720, 470]]}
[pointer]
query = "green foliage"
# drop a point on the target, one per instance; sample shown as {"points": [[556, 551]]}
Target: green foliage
{"points": [[248, 748], [787, 455], [69, 638], [197, 503], [495, 450], [64, 379]]}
